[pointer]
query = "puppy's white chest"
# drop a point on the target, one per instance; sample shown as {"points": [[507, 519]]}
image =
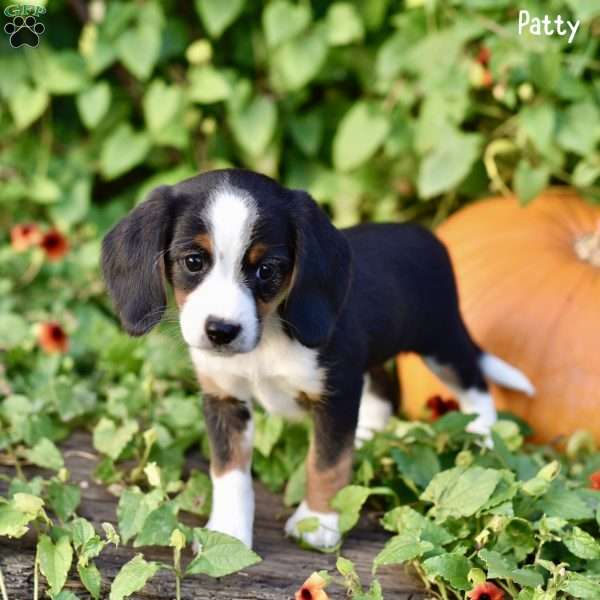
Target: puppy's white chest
{"points": [[275, 373]]}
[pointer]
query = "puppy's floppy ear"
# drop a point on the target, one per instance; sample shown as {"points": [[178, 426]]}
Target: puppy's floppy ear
{"points": [[132, 262], [321, 275]]}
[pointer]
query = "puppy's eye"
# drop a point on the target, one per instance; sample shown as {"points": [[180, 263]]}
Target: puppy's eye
{"points": [[265, 271], [194, 262]]}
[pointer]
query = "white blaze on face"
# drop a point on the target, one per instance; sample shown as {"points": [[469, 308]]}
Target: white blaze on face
{"points": [[222, 294]]}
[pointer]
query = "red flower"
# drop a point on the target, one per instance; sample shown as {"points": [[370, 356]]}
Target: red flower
{"points": [[486, 591], [54, 244], [483, 56], [313, 589], [52, 337], [438, 407], [25, 235], [595, 480]]}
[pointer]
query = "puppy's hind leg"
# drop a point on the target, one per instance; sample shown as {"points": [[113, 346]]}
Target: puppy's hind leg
{"points": [[457, 362], [466, 382], [377, 401]]}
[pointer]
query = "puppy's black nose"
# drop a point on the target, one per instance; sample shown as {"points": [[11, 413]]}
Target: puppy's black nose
{"points": [[221, 332]]}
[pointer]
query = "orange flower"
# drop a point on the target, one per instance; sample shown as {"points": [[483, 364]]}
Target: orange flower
{"points": [[438, 407], [595, 480], [52, 337], [25, 235], [486, 79], [486, 591], [54, 244], [313, 589]]}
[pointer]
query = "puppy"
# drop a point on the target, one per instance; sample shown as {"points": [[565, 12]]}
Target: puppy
{"points": [[279, 306]]}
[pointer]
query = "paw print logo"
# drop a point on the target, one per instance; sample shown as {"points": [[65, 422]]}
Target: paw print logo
{"points": [[24, 31]]}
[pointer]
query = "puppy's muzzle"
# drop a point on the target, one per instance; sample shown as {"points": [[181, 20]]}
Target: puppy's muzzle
{"points": [[221, 332]]}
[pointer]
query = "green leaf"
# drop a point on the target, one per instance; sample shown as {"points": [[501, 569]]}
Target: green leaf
{"points": [[132, 577], [296, 486], [133, 509], [404, 519], [581, 544], [208, 85], [585, 10], [55, 561], [461, 492], [503, 567], [298, 61], [122, 151], [196, 496], [93, 104], [66, 595], [580, 586], [448, 163], [267, 431], [307, 131], [72, 400], [45, 454], [564, 503], [454, 568], [27, 104], [579, 128], [529, 181], [13, 330], [538, 123], [27, 503], [545, 69], [91, 579], [158, 526], [344, 25], [110, 439], [81, 531], [220, 554], [418, 462], [161, 102], [138, 49], [348, 502], [253, 124], [217, 15], [359, 135], [283, 20], [63, 498], [586, 172], [308, 525], [65, 73], [400, 548], [15, 515]]}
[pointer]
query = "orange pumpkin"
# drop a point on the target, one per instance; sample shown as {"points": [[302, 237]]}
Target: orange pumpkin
{"points": [[529, 287]]}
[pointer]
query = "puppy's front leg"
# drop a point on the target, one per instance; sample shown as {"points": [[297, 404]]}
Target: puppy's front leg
{"points": [[230, 431], [328, 465]]}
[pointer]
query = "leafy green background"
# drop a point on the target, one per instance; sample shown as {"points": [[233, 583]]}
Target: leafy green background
{"points": [[381, 109]]}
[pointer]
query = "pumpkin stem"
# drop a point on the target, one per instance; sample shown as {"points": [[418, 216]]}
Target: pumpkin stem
{"points": [[587, 247]]}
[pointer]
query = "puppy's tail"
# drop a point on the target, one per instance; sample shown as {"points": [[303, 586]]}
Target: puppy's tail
{"points": [[500, 372]]}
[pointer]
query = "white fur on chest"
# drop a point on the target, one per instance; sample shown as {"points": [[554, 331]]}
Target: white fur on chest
{"points": [[275, 373]]}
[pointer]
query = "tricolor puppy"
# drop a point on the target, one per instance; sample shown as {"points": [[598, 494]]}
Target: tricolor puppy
{"points": [[279, 306]]}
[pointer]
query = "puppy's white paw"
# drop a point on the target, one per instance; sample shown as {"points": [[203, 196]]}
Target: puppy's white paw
{"points": [[480, 403], [233, 505], [325, 537]]}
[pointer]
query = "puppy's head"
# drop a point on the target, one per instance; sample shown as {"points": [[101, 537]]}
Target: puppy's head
{"points": [[238, 249]]}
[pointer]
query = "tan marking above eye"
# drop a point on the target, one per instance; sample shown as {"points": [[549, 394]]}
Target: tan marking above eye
{"points": [[204, 241], [256, 252]]}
